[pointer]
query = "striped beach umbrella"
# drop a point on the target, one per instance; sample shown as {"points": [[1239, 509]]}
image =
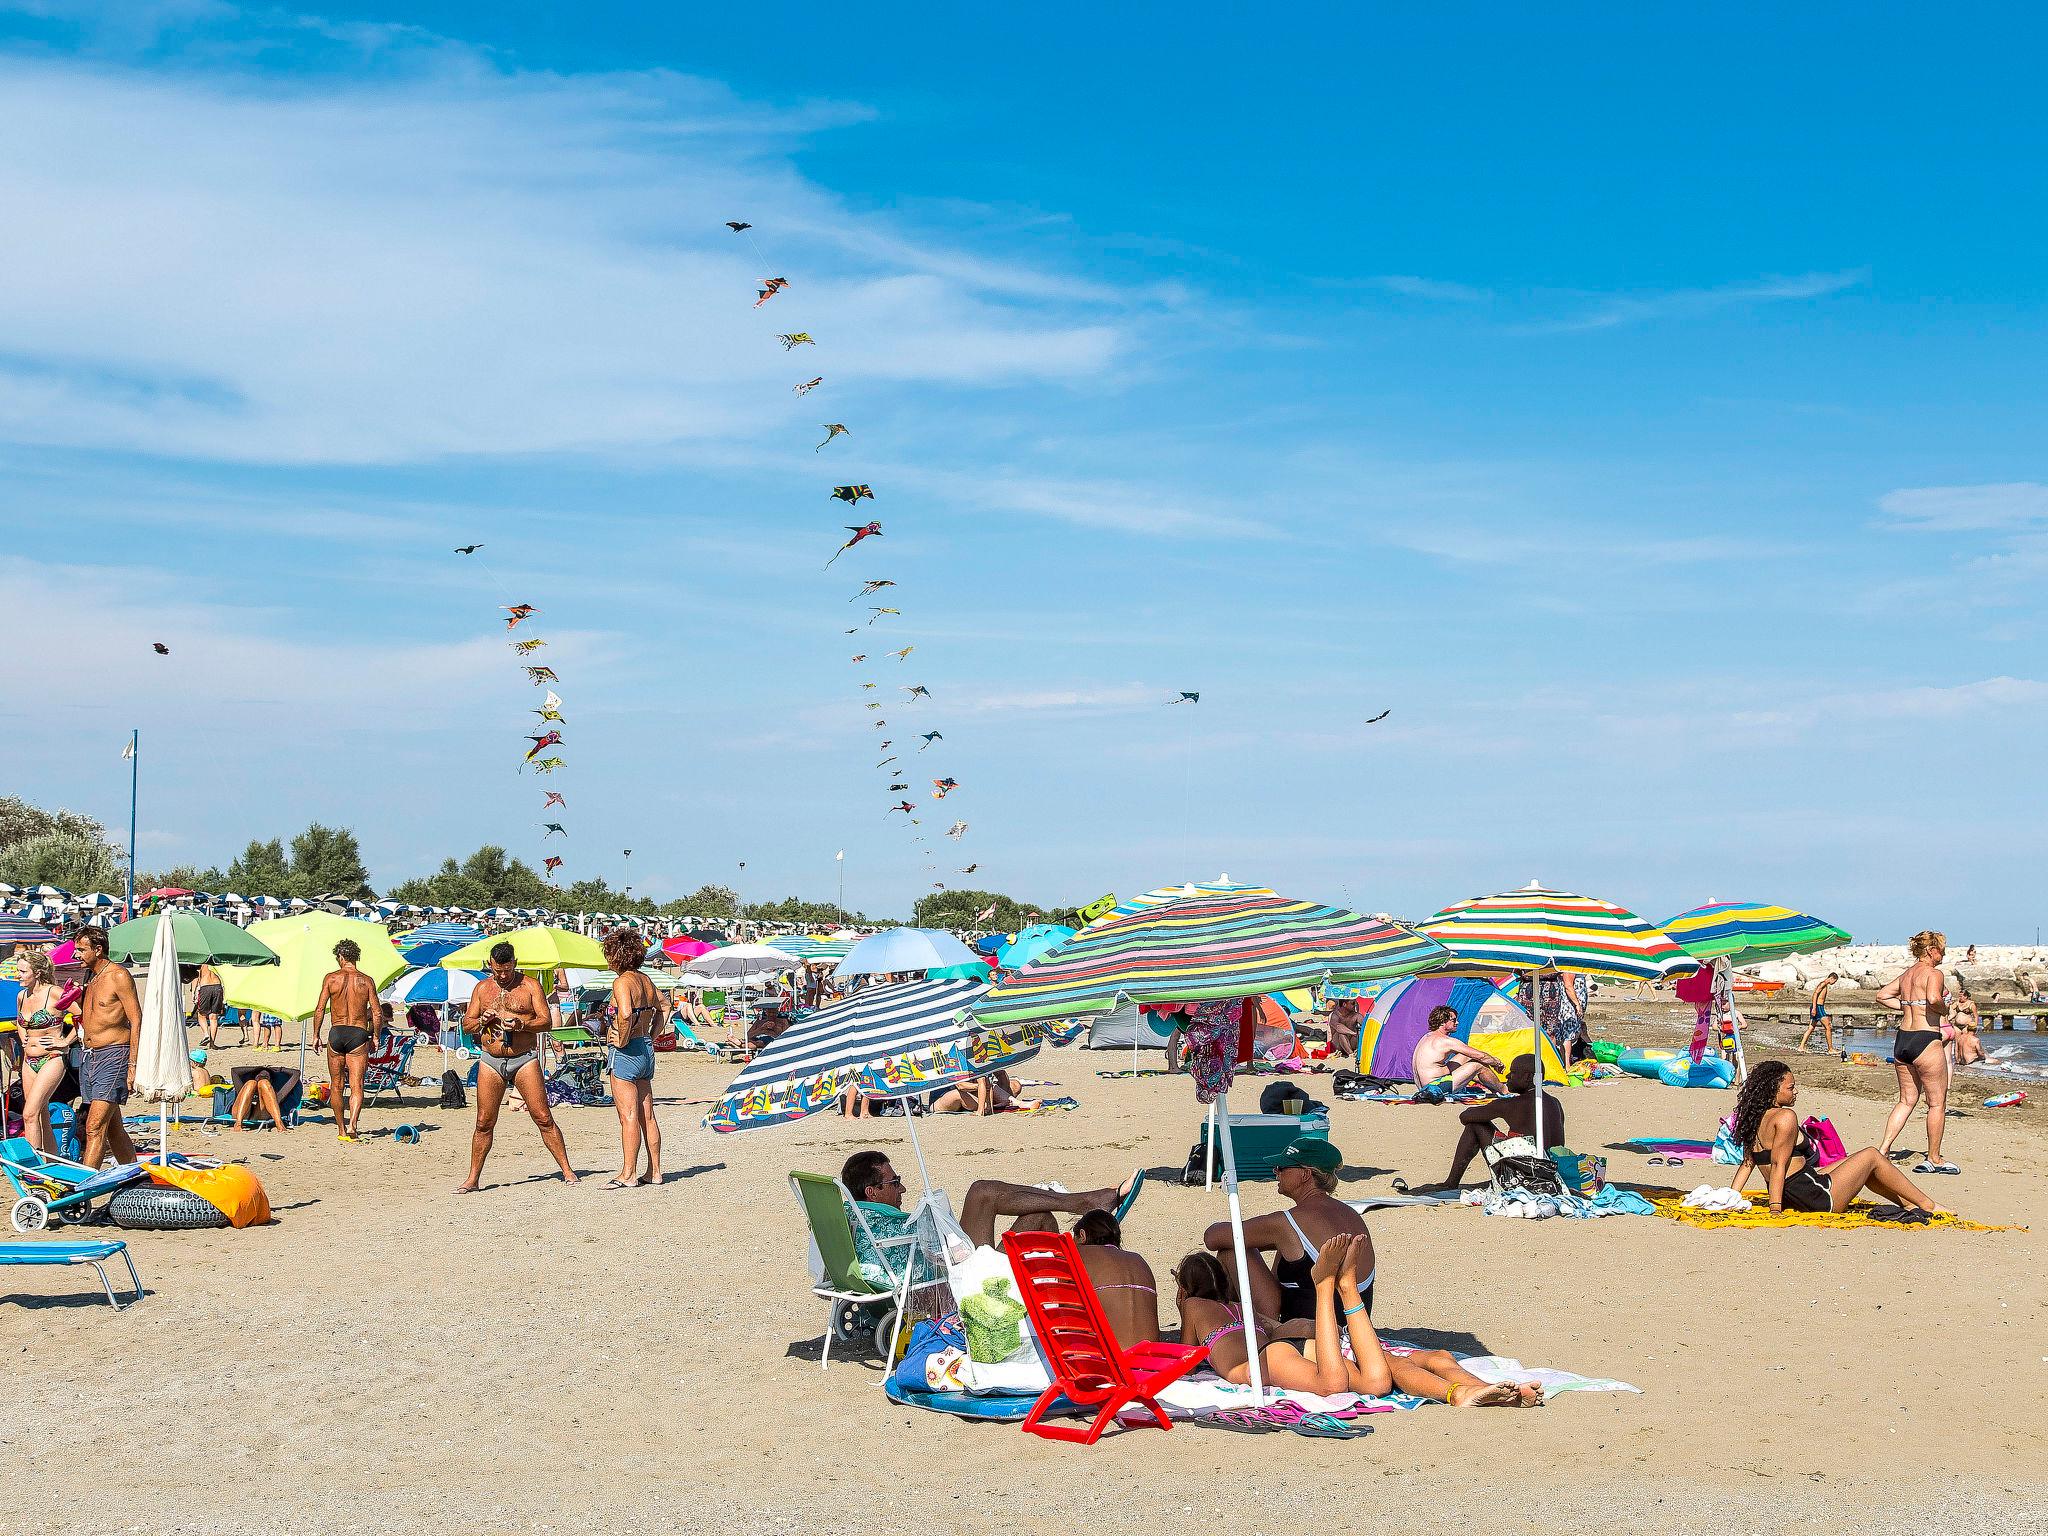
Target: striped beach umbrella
{"points": [[809, 947], [438, 933], [1202, 947], [19, 930], [1538, 929], [1220, 886], [888, 1042], [432, 984], [1751, 932]]}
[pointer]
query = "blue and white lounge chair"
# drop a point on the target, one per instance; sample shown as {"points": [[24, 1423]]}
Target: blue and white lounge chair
{"points": [[96, 1254], [45, 1184]]}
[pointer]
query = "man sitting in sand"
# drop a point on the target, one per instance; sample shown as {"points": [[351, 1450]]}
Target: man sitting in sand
{"points": [[507, 1013], [1516, 1116], [1447, 1064], [108, 1015]]}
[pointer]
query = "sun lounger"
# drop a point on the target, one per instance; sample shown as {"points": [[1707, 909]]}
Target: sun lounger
{"points": [[1088, 1366], [45, 1184], [835, 1267], [95, 1254]]}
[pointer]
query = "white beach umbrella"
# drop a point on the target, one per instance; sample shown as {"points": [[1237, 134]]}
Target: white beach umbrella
{"points": [[163, 1057]]}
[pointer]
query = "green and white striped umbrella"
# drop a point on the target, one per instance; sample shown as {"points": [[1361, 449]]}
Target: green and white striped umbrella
{"points": [[1751, 932], [1537, 929]]}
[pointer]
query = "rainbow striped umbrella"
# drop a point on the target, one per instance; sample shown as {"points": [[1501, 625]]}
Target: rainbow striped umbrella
{"points": [[1750, 932], [806, 946], [1197, 947], [1537, 929], [1221, 886]]}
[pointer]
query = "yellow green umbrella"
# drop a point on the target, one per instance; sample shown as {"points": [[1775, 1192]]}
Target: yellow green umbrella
{"points": [[304, 945], [534, 949]]}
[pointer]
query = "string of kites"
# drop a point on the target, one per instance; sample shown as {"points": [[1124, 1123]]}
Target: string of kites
{"points": [[899, 779]]}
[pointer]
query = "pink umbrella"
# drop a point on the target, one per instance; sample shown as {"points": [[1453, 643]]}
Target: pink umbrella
{"points": [[64, 954], [685, 948]]}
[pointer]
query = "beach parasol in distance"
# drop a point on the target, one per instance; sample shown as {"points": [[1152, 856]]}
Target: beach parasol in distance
{"points": [[545, 950], [304, 946], [197, 938], [903, 949], [1726, 934]]}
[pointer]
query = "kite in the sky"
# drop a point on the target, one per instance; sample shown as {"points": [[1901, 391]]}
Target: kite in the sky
{"points": [[546, 764], [832, 429], [929, 738], [806, 388], [863, 656], [885, 762], [970, 869], [467, 549], [796, 339], [159, 647], [551, 864], [905, 806], [539, 675], [874, 703], [870, 685], [528, 647], [899, 655], [957, 831], [894, 787], [1186, 698], [876, 613], [770, 286], [917, 691], [865, 531], [518, 611], [735, 225], [551, 828], [851, 631], [852, 493], [881, 725], [541, 744], [552, 716], [1376, 719], [554, 798], [869, 587], [884, 745], [943, 787]]}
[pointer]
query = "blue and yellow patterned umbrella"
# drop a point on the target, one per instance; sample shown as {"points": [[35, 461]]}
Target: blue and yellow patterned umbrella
{"points": [[1750, 932]]}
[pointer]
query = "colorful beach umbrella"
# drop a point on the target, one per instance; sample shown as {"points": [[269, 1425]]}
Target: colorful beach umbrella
{"points": [[432, 984], [1538, 929], [304, 944], [809, 947], [200, 940], [903, 949], [1202, 947], [533, 949], [1751, 932], [1030, 943], [19, 930], [1222, 885], [453, 934], [738, 965], [888, 1042], [683, 948]]}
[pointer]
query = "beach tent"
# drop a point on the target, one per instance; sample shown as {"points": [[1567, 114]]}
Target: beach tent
{"points": [[1488, 1020], [1128, 1027]]}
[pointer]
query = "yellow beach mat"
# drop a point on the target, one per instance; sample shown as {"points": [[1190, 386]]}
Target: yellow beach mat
{"points": [[1759, 1215], [231, 1189]]}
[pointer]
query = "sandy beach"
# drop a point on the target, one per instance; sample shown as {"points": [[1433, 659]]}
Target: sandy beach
{"points": [[386, 1356]]}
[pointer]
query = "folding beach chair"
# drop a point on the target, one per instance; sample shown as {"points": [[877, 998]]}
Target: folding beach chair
{"points": [[95, 1254], [835, 1267], [1088, 1366], [45, 1185], [389, 1064]]}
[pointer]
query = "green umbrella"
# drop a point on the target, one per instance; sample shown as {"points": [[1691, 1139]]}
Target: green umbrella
{"points": [[201, 940]]}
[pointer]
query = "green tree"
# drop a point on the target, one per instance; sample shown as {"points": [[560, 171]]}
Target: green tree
{"points": [[327, 862], [705, 901], [961, 909], [184, 877], [20, 821], [262, 870], [70, 860]]}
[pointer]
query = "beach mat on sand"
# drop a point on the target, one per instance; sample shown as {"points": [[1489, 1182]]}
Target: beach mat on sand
{"points": [[1759, 1215], [1669, 1146]]}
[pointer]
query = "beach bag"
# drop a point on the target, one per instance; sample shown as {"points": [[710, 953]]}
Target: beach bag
{"points": [[934, 1357], [1827, 1141], [1726, 1152], [452, 1096], [1020, 1370]]}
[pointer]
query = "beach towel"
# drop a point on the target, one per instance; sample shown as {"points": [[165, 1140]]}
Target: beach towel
{"points": [[1756, 1212], [1041, 1106], [1669, 1146]]}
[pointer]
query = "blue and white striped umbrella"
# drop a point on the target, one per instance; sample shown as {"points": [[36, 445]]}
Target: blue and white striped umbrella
{"points": [[435, 984], [888, 1042]]}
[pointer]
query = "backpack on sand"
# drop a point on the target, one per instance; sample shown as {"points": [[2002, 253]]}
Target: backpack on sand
{"points": [[452, 1096]]}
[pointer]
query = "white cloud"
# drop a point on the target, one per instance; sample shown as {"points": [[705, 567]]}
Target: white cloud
{"points": [[1968, 508], [1434, 288], [1634, 309]]}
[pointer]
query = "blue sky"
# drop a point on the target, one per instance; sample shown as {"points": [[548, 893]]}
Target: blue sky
{"points": [[1645, 410]]}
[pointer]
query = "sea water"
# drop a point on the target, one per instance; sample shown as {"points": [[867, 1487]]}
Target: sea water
{"points": [[2019, 1053]]}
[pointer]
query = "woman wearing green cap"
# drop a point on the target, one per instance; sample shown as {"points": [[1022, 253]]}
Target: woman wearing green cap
{"points": [[1283, 1290]]}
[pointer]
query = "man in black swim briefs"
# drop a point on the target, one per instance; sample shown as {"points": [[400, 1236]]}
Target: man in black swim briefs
{"points": [[350, 997]]}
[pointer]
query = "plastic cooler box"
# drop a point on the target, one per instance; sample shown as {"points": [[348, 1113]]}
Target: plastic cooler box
{"points": [[1258, 1140]]}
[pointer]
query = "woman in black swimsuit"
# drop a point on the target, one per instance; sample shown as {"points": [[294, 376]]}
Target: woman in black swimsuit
{"points": [[1919, 1051], [1774, 1143]]}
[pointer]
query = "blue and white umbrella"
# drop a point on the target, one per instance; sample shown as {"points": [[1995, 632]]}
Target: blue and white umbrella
{"points": [[904, 949], [439, 933], [97, 902], [434, 984], [887, 1042]]}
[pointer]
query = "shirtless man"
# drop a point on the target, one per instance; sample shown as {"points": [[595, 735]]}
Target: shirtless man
{"points": [[507, 1013], [1441, 1058], [1818, 1014], [207, 1001], [109, 1014], [350, 997]]}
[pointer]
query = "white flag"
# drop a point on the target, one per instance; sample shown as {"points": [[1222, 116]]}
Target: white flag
{"points": [[128, 751], [841, 854]]}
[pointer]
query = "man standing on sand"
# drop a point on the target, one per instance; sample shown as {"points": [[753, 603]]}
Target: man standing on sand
{"points": [[1818, 1014], [350, 997], [109, 1014], [206, 1002], [507, 1013]]}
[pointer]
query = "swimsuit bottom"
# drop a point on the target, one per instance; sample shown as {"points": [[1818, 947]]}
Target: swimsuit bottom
{"points": [[633, 1062], [346, 1039], [1809, 1190], [1910, 1043], [105, 1077], [509, 1067]]}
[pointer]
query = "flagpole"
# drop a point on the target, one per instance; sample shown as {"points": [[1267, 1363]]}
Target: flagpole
{"points": [[840, 858], [134, 782]]}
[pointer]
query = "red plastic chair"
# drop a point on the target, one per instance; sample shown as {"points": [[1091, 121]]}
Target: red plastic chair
{"points": [[1088, 1366]]}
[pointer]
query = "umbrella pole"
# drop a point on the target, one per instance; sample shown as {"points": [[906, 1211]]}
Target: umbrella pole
{"points": [[1724, 989], [917, 1150], [1244, 1279], [1209, 1152], [163, 1133], [1536, 1044]]}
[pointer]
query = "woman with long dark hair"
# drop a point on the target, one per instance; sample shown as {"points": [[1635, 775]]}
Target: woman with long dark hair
{"points": [[1774, 1143]]}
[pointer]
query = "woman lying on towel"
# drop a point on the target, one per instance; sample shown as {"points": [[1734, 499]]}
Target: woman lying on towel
{"points": [[1774, 1143], [1345, 1354]]}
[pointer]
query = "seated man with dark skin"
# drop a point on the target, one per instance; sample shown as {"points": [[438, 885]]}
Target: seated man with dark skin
{"points": [[1514, 1115]]}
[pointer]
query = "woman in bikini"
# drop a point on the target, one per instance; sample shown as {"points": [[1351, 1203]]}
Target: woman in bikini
{"points": [[1919, 1054], [1282, 1290], [45, 1038], [1345, 1354], [635, 1012], [1774, 1143], [1123, 1281]]}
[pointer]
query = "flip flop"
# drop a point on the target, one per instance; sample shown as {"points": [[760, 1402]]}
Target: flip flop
{"points": [[1123, 1206], [1321, 1426], [1242, 1421]]}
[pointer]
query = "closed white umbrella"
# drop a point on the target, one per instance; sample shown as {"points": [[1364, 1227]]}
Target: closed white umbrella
{"points": [[163, 1058]]}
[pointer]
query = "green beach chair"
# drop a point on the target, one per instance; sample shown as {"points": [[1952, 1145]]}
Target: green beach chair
{"points": [[859, 1309]]}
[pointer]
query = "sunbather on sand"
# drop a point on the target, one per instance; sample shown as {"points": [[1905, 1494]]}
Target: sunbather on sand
{"points": [[981, 1095], [1034, 1205], [1443, 1060], [1124, 1282], [1774, 1143], [1516, 1114], [1344, 1355], [1282, 1290]]}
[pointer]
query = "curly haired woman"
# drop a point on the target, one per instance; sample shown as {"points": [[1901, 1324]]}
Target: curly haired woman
{"points": [[635, 1012], [1774, 1143]]}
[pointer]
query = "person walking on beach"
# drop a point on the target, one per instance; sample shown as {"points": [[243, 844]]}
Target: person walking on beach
{"points": [[1818, 1014], [507, 1013], [206, 1003], [110, 1013], [1919, 1053], [635, 1011], [351, 998], [44, 1039]]}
